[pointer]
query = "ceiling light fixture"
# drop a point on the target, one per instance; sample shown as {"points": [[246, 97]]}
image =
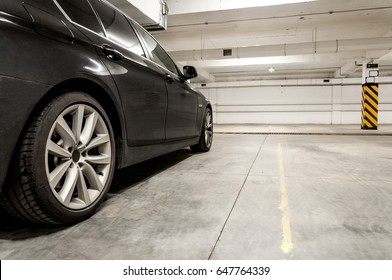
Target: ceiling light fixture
{"points": [[271, 69]]}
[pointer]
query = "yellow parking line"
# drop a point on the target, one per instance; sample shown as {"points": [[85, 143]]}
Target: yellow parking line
{"points": [[287, 243]]}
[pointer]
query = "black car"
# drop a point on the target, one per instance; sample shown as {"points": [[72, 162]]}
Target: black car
{"points": [[84, 90]]}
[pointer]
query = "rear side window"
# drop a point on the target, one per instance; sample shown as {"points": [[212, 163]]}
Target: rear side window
{"points": [[158, 54], [81, 12], [117, 27]]}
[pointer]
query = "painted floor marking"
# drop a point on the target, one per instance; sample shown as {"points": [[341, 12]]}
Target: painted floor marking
{"points": [[287, 243]]}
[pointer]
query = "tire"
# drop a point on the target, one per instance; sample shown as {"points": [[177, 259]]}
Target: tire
{"points": [[207, 134], [65, 162]]}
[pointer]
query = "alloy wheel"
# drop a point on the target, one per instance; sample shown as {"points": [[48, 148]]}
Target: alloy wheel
{"points": [[208, 128], [78, 156]]}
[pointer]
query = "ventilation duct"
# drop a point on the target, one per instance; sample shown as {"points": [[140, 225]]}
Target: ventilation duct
{"points": [[227, 52], [162, 23], [151, 14]]}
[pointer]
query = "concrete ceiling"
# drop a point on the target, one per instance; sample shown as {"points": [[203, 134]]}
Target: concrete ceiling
{"points": [[317, 39]]}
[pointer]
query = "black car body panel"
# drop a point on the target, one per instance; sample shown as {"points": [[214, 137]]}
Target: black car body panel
{"points": [[153, 110]]}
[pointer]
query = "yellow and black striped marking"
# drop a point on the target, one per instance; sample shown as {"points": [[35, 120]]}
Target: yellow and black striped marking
{"points": [[369, 106]]}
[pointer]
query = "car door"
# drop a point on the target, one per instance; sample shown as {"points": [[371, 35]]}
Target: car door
{"points": [[182, 99], [140, 82]]}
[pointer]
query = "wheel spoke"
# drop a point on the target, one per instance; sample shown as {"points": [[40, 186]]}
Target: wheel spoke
{"points": [[98, 159], [89, 128], [68, 188], [92, 177], [77, 122], [83, 194], [58, 173], [65, 132], [97, 141], [56, 150], [208, 137]]}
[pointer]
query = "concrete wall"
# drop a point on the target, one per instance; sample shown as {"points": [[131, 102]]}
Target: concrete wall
{"points": [[294, 102]]}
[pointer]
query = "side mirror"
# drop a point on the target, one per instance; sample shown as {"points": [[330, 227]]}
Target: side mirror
{"points": [[189, 72]]}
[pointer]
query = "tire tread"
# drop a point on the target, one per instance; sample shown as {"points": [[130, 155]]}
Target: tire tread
{"points": [[20, 198]]}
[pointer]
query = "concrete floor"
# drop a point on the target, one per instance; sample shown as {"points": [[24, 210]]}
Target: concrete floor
{"points": [[253, 196]]}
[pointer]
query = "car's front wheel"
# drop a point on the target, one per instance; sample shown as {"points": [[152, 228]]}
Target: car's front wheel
{"points": [[65, 162]]}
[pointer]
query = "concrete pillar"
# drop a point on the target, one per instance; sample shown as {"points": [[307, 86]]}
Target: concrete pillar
{"points": [[370, 73]]}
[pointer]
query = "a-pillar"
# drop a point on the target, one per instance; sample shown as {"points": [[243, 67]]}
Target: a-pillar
{"points": [[370, 73]]}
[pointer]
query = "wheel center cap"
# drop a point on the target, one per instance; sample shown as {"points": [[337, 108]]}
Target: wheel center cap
{"points": [[76, 156]]}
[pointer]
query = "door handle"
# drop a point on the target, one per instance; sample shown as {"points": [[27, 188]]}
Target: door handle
{"points": [[169, 79], [112, 53]]}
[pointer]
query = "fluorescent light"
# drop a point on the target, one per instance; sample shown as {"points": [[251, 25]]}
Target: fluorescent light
{"points": [[271, 69]]}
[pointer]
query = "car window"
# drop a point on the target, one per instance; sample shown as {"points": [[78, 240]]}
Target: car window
{"points": [[117, 27], [81, 13], [159, 55]]}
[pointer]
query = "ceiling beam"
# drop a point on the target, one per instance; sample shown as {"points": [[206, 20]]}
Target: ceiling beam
{"points": [[188, 7], [347, 69], [324, 47], [387, 56]]}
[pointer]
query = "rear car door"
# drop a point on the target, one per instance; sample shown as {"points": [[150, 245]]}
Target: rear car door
{"points": [[140, 83], [142, 87], [182, 99]]}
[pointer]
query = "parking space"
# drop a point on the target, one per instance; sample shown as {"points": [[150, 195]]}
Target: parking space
{"points": [[253, 196]]}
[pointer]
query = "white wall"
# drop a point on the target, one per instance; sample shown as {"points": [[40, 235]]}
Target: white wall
{"points": [[294, 102]]}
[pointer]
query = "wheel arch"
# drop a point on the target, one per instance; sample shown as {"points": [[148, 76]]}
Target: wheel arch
{"points": [[207, 106], [107, 100]]}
